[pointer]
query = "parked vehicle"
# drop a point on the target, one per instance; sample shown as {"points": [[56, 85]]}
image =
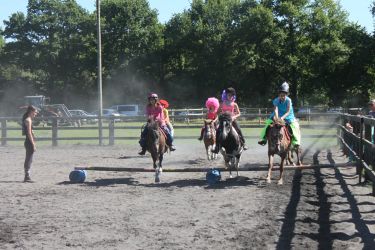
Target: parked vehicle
{"points": [[47, 110], [81, 113], [110, 113], [127, 109]]}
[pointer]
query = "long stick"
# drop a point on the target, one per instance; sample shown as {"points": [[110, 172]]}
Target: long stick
{"points": [[190, 170]]}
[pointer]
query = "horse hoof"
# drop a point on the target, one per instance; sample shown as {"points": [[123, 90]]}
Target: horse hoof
{"points": [[268, 180], [280, 182]]}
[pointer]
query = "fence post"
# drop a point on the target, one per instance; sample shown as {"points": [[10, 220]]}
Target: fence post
{"points": [[339, 130], [172, 115], [260, 116], [360, 149], [3, 132], [54, 131], [111, 132], [188, 118]]}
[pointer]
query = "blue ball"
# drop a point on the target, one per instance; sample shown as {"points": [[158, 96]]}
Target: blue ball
{"points": [[77, 176], [213, 176]]}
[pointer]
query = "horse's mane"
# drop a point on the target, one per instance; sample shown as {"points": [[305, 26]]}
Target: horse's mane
{"points": [[279, 121], [225, 117], [152, 124]]}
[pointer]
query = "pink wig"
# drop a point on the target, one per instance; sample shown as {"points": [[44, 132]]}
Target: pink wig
{"points": [[213, 102]]}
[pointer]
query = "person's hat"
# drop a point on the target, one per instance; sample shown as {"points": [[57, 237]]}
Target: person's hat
{"points": [[164, 103], [371, 102], [153, 95], [284, 87]]}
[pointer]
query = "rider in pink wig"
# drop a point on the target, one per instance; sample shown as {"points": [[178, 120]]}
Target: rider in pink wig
{"points": [[212, 105]]}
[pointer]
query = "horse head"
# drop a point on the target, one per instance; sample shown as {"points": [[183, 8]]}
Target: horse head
{"points": [[153, 129], [209, 128], [225, 125], [278, 137]]}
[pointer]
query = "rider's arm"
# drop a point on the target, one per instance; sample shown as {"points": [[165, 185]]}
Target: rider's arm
{"points": [[276, 112], [287, 112], [216, 118], [237, 112]]}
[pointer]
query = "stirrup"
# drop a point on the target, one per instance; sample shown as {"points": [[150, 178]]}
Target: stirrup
{"points": [[245, 147], [172, 148]]}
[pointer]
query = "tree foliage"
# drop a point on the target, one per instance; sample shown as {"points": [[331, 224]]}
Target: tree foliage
{"points": [[248, 44]]}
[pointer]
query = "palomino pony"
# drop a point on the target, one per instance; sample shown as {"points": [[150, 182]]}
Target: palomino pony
{"points": [[230, 143], [209, 138], [156, 145], [280, 143]]}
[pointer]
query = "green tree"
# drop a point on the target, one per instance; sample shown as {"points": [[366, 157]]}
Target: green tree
{"points": [[55, 41], [132, 41]]}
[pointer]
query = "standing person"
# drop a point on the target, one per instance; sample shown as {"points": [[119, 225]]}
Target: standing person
{"points": [[30, 146], [154, 111], [371, 105], [230, 106], [371, 114], [212, 105], [165, 105], [283, 109]]}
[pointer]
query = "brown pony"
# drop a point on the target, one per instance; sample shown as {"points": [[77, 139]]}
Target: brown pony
{"points": [[209, 138], [156, 145], [280, 143]]}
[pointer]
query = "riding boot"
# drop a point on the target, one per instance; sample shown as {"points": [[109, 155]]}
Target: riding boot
{"points": [[201, 137], [143, 151], [243, 143], [172, 148], [262, 142]]}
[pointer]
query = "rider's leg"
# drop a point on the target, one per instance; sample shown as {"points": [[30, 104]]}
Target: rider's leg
{"points": [[169, 138], [239, 131], [201, 137], [142, 141], [217, 144], [263, 139], [296, 133], [171, 129]]}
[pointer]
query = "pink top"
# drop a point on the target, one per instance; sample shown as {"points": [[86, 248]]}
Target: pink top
{"points": [[211, 115], [156, 113], [227, 108]]}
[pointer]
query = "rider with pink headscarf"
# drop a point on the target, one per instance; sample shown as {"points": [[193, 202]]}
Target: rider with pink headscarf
{"points": [[212, 105], [154, 111], [230, 106]]}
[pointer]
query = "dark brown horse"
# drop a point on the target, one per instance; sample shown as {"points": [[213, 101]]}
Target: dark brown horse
{"points": [[280, 143], [209, 138], [156, 145]]}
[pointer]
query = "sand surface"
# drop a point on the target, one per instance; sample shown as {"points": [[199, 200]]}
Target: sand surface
{"points": [[314, 209]]}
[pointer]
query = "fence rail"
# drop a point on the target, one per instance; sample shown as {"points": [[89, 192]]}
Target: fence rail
{"points": [[356, 136], [114, 124]]}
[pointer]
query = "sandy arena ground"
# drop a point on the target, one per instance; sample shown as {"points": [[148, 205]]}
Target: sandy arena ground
{"points": [[314, 209]]}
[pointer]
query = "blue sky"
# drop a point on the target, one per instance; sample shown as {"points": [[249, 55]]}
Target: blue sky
{"points": [[358, 9]]}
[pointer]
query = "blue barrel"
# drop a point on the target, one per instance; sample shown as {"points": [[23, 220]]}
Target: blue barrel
{"points": [[77, 176], [213, 176]]}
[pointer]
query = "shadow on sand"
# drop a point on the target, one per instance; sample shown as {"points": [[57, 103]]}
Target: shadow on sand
{"points": [[324, 236]]}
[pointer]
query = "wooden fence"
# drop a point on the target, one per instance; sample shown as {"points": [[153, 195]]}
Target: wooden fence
{"points": [[356, 136], [190, 119]]}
